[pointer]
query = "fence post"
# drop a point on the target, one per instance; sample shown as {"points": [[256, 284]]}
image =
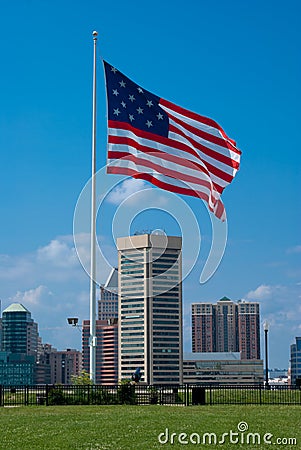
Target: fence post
{"points": [[187, 394], [47, 392], [26, 395]]}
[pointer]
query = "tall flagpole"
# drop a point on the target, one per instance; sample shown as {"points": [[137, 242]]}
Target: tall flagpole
{"points": [[92, 340]]}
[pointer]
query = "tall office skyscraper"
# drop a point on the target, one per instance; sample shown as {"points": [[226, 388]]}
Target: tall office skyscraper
{"points": [[108, 302], [19, 346], [150, 307], [226, 327]]}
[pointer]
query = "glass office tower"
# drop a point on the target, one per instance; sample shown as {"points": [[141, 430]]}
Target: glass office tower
{"points": [[19, 331]]}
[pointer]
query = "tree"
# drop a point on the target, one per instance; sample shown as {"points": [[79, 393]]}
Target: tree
{"points": [[81, 380]]}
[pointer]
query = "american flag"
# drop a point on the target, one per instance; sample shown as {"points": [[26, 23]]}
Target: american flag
{"points": [[175, 149]]}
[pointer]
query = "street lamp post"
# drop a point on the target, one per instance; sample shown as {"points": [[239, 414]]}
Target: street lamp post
{"points": [[266, 330]]}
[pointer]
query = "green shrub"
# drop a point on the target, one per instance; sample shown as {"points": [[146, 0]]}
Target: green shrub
{"points": [[56, 396], [126, 393]]}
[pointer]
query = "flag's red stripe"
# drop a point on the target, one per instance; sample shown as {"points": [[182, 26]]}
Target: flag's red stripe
{"points": [[206, 150], [122, 140], [223, 156], [113, 139], [169, 187], [171, 158], [176, 144], [153, 137], [199, 118], [203, 134], [170, 173]]}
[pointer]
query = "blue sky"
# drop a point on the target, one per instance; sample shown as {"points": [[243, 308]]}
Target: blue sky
{"points": [[236, 62]]}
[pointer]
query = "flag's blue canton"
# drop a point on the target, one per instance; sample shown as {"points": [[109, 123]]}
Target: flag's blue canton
{"points": [[128, 102]]}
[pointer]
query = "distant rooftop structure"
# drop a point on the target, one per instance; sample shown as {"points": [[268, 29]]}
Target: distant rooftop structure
{"points": [[221, 368], [112, 280], [15, 307], [211, 356], [225, 299], [108, 302]]}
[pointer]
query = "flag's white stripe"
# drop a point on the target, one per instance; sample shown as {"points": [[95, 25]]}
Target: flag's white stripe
{"points": [[174, 151], [195, 123], [165, 178], [178, 170], [229, 154], [176, 166], [225, 168], [171, 151], [229, 170]]}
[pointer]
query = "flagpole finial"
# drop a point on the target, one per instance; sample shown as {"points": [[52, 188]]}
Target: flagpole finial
{"points": [[95, 34]]}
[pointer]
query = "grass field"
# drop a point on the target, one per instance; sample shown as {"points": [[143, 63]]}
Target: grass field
{"points": [[137, 427]]}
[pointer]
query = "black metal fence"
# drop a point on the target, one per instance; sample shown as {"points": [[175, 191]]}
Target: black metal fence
{"points": [[135, 394]]}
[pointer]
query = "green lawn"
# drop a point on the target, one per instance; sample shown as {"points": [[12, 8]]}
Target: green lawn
{"points": [[138, 427]]}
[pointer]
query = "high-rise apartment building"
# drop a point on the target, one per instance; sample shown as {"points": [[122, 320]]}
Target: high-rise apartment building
{"points": [[106, 350], [226, 327], [150, 307], [296, 362], [64, 364], [106, 333], [249, 330], [203, 327]]}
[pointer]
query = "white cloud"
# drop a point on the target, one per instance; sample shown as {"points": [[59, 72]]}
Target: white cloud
{"points": [[12, 268], [31, 296], [51, 283], [59, 253], [55, 261], [295, 249], [263, 291], [127, 188]]}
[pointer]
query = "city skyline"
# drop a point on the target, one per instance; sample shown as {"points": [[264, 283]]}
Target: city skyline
{"points": [[245, 77]]}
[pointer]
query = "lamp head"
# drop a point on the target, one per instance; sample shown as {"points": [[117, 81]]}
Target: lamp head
{"points": [[73, 321]]}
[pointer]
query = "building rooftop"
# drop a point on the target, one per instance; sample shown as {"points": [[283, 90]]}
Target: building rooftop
{"points": [[225, 299], [211, 356], [149, 240], [15, 307], [112, 281]]}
